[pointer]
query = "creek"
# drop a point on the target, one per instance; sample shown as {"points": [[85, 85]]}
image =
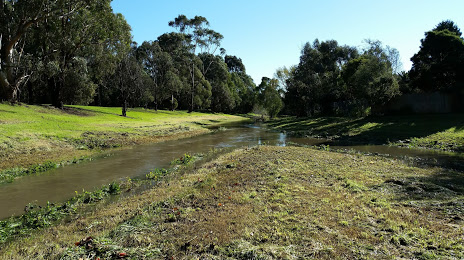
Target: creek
{"points": [[60, 184]]}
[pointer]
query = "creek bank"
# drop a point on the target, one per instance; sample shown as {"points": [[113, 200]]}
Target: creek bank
{"points": [[34, 138], [38, 217], [435, 132]]}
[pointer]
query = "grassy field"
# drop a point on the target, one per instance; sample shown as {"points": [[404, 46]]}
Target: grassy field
{"points": [[439, 131], [272, 203], [32, 135]]}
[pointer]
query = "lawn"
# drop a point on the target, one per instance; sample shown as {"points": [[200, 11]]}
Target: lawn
{"points": [[272, 203], [31, 135]]}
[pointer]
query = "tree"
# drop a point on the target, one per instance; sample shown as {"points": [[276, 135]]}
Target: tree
{"points": [[439, 64], [448, 25], [198, 37], [64, 46], [129, 80], [17, 19], [283, 75], [314, 84], [269, 96], [224, 94], [369, 79], [157, 64], [175, 45], [104, 54], [85, 35], [234, 64]]}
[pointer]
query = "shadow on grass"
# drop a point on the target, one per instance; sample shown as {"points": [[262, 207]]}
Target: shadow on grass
{"points": [[443, 190], [6, 111], [372, 130], [92, 112]]}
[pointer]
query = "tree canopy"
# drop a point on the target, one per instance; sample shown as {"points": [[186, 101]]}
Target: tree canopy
{"points": [[80, 52], [439, 63], [334, 79]]}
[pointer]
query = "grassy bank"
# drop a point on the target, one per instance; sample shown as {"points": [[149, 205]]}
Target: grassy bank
{"points": [[33, 136], [272, 203], [439, 131]]}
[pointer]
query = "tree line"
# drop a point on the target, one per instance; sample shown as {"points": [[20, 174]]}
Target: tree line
{"points": [[81, 52], [331, 79]]}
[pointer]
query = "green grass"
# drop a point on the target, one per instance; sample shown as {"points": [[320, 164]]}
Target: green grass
{"points": [[31, 135], [272, 203], [439, 131]]}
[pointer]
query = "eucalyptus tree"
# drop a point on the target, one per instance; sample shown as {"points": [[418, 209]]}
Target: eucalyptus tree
{"points": [[60, 38], [174, 44], [129, 80], [198, 39], [224, 96], [334, 79], [93, 35], [314, 83], [282, 75], [245, 91], [157, 64], [18, 18], [241, 84], [107, 50], [234, 64]]}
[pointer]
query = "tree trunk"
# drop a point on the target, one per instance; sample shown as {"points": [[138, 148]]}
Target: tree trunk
{"points": [[156, 102], [7, 79], [56, 89], [99, 95], [172, 102], [192, 92], [124, 108]]}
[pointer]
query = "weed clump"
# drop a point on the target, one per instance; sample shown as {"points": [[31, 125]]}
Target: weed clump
{"points": [[184, 160], [156, 174], [10, 174]]}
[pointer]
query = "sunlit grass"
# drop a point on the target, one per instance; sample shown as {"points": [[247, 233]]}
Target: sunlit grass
{"points": [[33, 134]]}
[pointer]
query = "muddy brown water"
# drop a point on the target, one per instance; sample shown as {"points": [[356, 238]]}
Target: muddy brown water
{"points": [[60, 184]]}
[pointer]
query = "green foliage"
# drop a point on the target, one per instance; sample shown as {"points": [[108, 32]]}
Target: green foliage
{"points": [[234, 64], [114, 188], [71, 48], [313, 86], [186, 159], [369, 79], [9, 175], [156, 174], [38, 217], [86, 56], [222, 96], [448, 25], [269, 97], [439, 63], [332, 79]]}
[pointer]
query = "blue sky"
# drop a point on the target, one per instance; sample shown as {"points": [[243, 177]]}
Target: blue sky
{"points": [[268, 34]]}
